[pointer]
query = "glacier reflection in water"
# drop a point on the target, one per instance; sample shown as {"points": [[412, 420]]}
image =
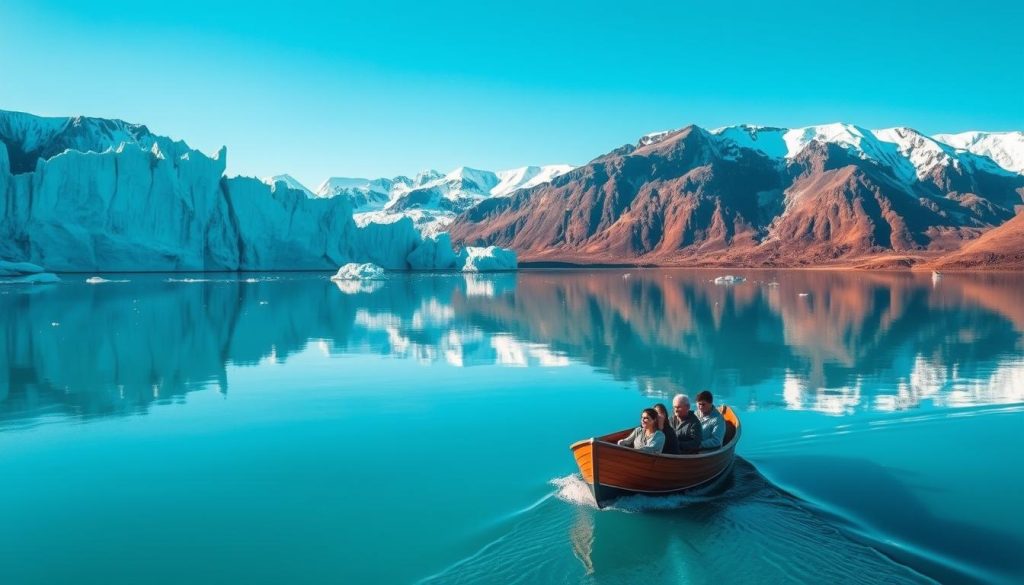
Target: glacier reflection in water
{"points": [[822, 341]]}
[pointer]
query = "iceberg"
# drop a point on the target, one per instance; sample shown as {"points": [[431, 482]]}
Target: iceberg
{"points": [[100, 280], [25, 273], [729, 279], [489, 259], [355, 271]]}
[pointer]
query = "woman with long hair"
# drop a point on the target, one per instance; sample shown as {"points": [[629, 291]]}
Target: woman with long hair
{"points": [[646, 437], [671, 441]]}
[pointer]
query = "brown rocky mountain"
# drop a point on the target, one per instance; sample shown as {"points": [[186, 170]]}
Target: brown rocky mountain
{"points": [[749, 196], [1000, 247]]}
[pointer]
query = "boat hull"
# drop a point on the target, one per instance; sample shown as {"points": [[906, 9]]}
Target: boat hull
{"points": [[612, 470]]}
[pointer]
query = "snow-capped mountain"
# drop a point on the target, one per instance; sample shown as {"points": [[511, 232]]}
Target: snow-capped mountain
{"points": [[910, 154], [289, 182], [84, 193], [432, 199], [753, 195]]}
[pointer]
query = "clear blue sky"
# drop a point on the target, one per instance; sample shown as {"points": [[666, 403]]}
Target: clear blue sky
{"points": [[379, 88]]}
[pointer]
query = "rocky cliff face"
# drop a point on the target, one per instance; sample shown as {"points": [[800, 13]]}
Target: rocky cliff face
{"points": [[756, 196]]}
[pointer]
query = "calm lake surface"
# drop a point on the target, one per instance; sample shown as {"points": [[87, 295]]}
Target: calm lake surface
{"points": [[278, 428]]}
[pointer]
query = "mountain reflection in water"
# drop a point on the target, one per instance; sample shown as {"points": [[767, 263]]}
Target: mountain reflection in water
{"points": [[864, 397], [838, 341]]}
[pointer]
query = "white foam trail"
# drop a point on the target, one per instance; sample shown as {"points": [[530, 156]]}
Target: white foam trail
{"points": [[188, 280], [574, 490]]}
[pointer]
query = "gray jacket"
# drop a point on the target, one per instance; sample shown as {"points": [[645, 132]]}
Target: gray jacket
{"points": [[713, 429], [639, 441]]}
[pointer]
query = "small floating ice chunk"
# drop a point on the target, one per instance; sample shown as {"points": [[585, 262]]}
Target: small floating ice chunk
{"points": [[254, 280], [729, 279], [489, 259], [802, 295], [355, 271], [100, 280]]}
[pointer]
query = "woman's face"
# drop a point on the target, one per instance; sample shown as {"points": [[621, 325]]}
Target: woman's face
{"points": [[646, 421]]}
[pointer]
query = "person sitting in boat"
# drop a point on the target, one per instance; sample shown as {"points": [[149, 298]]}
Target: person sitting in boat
{"points": [[684, 425], [671, 443], [711, 421], [646, 437]]}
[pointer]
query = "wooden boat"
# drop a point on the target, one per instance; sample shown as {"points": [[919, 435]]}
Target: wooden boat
{"points": [[613, 470]]}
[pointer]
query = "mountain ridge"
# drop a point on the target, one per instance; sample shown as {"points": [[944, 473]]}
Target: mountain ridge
{"points": [[833, 194]]}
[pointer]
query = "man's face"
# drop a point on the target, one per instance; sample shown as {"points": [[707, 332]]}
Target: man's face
{"points": [[680, 407], [705, 407]]}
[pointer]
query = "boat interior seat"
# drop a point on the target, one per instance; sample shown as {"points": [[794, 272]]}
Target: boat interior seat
{"points": [[730, 432]]}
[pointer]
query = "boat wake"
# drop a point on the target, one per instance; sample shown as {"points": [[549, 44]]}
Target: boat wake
{"points": [[745, 530]]}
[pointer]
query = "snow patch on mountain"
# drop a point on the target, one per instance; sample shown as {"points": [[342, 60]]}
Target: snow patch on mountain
{"points": [[1006, 149], [652, 138], [909, 154], [289, 181], [526, 177]]}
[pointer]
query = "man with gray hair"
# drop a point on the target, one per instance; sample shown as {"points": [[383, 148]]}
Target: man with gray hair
{"points": [[685, 425]]}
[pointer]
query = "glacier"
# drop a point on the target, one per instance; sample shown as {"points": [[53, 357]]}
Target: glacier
{"points": [[93, 195]]}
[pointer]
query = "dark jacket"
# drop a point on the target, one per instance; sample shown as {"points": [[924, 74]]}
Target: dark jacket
{"points": [[671, 442], [687, 431]]}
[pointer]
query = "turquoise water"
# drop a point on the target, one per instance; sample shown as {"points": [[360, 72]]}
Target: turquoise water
{"points": [[277, 428]]}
